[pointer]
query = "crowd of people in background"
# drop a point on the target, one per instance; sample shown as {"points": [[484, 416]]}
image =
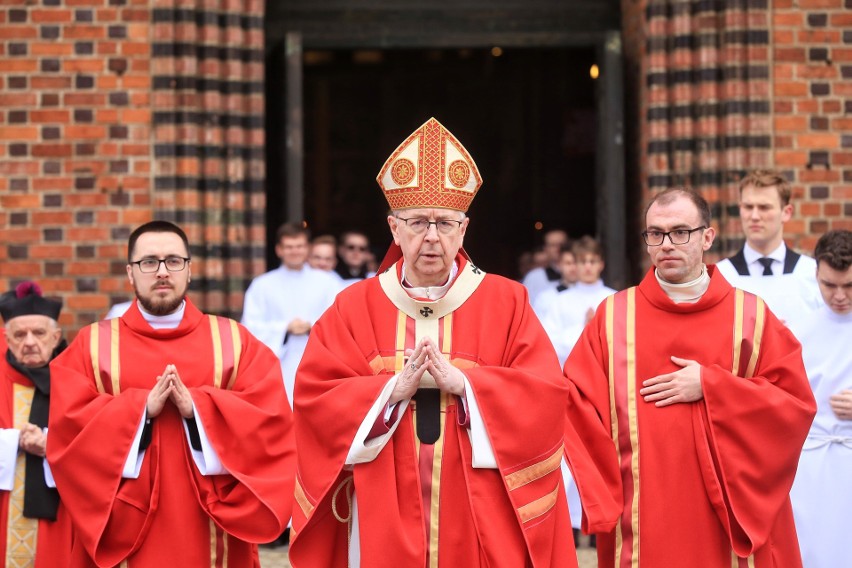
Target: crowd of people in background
{"points": [[713, 373]]}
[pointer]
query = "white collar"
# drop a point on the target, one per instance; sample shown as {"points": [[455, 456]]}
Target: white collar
{"points": [[168, 321], [752, 256], [687, 292], [431, 292]]}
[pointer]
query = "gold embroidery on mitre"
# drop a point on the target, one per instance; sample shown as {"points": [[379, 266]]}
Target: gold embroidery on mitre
{"points": [[403, 171], [430, 169]]}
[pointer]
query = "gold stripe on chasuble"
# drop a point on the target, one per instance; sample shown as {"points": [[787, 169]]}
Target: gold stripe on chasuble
{"points": [[114, 367], [217, 351], [748, 330], [302, 499], [21, 532], [237, 346], [93, 356], [539, 507], [535, 471], [218, 546], [435, 505], [621, 351]]}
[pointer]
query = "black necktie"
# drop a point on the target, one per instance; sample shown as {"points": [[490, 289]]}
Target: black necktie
{"points": [[767, 265]]}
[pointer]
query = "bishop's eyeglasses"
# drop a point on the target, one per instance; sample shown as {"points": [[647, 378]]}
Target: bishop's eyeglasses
{"points": [[420, 225], [677, 236], [173, 264]]}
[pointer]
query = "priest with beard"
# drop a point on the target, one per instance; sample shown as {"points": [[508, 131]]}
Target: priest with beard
{"points": [[171, 432], [36, 530]]}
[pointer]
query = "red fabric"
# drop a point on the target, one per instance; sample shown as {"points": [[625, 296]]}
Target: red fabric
{"points": [[714, 475], [163, 518], [516, 367], [53, 547]]}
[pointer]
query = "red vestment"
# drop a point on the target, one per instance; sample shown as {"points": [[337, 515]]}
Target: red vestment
{"points": [[53, 543], [171, 515], [512, 516], [701, 484]]}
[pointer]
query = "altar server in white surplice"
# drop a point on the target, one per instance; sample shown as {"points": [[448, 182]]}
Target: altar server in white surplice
{"points": [[821, 495], [281, 306]]}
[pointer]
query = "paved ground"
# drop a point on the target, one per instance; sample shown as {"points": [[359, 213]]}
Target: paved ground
{"points": [[277, 557]]}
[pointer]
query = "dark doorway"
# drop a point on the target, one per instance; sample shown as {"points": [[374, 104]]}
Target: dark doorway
{"points": [[526, 115]]}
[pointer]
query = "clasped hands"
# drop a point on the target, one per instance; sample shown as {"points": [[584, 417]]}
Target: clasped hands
{"points": [[32, 440], [169, 387], [427, 357]]}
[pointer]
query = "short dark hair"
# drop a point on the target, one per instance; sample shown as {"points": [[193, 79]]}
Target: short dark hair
{"points": [[292, 230], [566, 248], [155, 226], [587, 245], [835, 249], [668, 195], [768, 178]]}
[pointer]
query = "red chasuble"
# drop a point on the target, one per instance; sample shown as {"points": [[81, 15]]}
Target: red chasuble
{"points": [[702, 484], [49, 540], [515, 515], [171, 515]]}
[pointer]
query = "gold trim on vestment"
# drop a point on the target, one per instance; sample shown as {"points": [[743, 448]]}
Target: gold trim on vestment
{"points": [[21, 531], [539, 507], [237, 347], [217, 351], [435, 505], [630, 333], [114, 363], [535, 471], [302, 499], [94, 348]]}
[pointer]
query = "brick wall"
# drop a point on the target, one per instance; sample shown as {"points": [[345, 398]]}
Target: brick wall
{"points": [[812, 108], [75, 154], [810, 96]]}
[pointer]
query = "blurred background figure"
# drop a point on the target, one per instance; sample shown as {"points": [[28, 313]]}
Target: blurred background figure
{"points": [[352, 256], [547, 276], [821, 498], [323, 255]]}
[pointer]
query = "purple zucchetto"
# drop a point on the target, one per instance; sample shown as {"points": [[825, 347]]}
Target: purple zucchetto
{"points": [[26, 300]]}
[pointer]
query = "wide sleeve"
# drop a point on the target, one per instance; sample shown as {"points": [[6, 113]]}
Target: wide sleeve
{"points": [[590, 451], [259, 316], [250, 426], [91, 433], [335, 389], [750, 433]]}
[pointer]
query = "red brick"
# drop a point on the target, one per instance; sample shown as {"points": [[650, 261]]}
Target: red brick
{"points": [[83, 66], [75, 131], [86, 234], [791, 158], [840, 20], [39, 251], [19, 133], [817, 176], [841, 158], [88, 302], [820, 71], [84, 99], [19, 269], [819, 4], [808, 106], [86, 200], [48, 217], [794, 54], [842, 124], [78, 31], [818, 141], [16, 65], [788, 19], [52, 16], [18, 32], [821, 36], [791, 123], [87, 268], [50, 82], [55, 49], [53, 184], [52, 150], [831, 106], [20, 100], [57, 115]]}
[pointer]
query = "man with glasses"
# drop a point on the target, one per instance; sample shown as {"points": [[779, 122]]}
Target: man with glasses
{"points": [[429, 405], [170, 433], [352, 253], [765, 265], [693, 399]]}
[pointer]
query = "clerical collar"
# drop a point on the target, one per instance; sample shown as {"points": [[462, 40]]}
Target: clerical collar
{"points": [[687, 292], [168, 321], [430, 292]]}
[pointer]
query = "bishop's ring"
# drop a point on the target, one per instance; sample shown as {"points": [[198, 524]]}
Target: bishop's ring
{"points": [[413, 366]]}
